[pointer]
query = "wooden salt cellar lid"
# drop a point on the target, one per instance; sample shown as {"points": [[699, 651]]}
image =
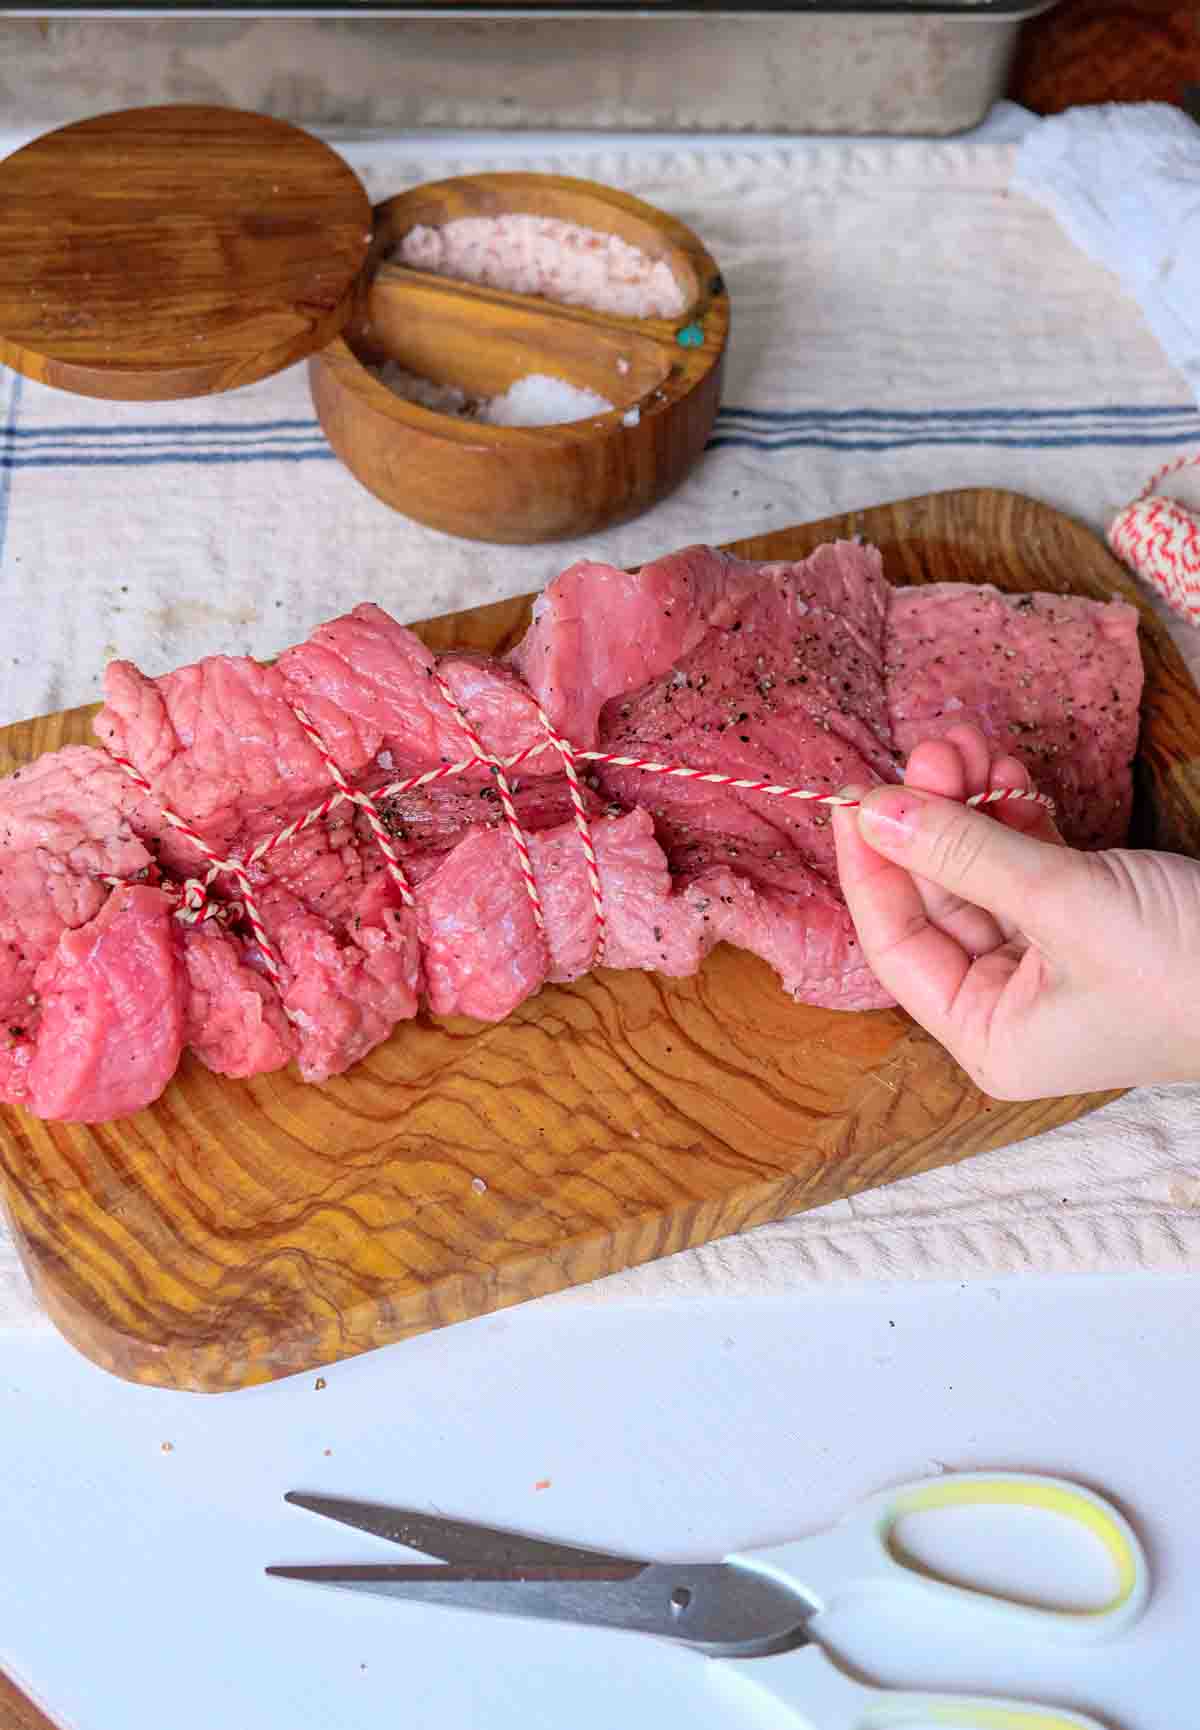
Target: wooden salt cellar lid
{"points": [[171, 252]]}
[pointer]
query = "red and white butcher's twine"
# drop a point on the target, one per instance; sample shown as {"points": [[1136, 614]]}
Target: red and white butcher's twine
{"points": [[1160, 539], [504, 792], [197, 904]]}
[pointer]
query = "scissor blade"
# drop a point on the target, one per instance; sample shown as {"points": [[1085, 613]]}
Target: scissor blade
{"points": [[451, 1540], [721, 1610]]}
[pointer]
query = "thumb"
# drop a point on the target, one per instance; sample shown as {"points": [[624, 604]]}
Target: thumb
{"points": [[963, 851]]}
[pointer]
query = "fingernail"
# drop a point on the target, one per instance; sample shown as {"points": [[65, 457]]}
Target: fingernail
{"points": [[889, 815]]}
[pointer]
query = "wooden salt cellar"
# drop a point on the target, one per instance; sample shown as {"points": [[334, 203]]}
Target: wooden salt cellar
{"points": [[523, 484], [172, 252]]}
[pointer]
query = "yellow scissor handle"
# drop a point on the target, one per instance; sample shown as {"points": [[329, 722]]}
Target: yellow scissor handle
{"points": [[861, 1554], [1051, 1496], [927, 1711]]}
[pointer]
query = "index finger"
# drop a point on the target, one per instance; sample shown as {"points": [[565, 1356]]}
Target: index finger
{"points": [[922, 967]]}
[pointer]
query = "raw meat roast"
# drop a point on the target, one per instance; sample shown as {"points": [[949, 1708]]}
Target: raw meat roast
{"points": [[813, 674]]}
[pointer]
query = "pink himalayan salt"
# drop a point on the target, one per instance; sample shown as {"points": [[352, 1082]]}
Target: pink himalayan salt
{"points": [[543, 255]]}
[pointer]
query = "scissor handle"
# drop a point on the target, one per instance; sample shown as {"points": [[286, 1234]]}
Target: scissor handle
{"points": [[860, 1554], [815, 1695]]}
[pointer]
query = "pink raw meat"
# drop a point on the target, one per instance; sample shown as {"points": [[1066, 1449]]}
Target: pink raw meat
{"points": [[598, 631], [649, 926], [113, 995], [1053, 679], [235, 1023], [66, 820], [348, 949], [225, 751], [763, 671], [349, 963], [483, 952], [220, 744], [367, 684]]}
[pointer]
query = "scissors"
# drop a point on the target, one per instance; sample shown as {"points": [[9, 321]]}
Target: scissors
{"points": [[756, 1615]]}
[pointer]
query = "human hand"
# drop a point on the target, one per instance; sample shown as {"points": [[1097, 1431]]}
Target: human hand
{"points": [[1042, 970]]}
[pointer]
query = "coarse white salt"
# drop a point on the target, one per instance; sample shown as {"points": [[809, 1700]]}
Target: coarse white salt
{"points": [[535, 400], [539, 400], [632, 416], [543, 255]]}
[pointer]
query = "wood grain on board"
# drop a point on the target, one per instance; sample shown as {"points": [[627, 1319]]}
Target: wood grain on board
{"points": [[17, 1710], [242, 1230]]}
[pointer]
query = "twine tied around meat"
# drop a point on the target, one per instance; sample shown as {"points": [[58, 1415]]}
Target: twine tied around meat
{"points": [[197, 903], [1159, 539]]}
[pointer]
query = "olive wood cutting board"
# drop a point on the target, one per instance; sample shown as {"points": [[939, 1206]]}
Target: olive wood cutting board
{"points": [[242, 1230]]}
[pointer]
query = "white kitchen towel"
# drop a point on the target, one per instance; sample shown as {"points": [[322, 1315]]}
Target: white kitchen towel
{"points": [[1123, 179], [902, 322]]}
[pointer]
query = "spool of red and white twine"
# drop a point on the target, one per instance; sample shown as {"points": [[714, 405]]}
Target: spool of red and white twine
{"points": [[1159, 539]]}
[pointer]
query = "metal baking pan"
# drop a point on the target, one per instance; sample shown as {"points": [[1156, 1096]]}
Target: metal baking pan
{"points": [[884, 67], [540, 9]]}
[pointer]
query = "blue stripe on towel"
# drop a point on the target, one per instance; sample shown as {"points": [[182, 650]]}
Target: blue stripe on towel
{"points": [[723, 441], [317, 453], [169, 429], [147, 444], [1116, 412], [218, 439], [310, 427], [16, 381]]}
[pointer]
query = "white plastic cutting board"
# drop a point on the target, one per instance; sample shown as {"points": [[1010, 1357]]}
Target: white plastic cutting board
{"points": [[131, 1594]]}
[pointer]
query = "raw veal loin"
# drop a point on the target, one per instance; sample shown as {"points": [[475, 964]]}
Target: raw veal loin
{"points": [[814, 674]]}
